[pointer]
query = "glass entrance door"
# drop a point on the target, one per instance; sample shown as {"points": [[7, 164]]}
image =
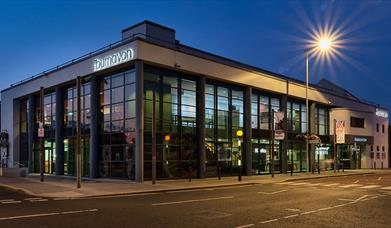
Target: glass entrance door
{"points": [[50, 156]]}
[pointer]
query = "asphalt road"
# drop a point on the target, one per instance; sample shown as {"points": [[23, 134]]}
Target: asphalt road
{"points": [[353, 201]]}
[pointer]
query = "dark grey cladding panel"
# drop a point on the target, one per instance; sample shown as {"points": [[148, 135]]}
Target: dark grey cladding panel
{"points": [[151, 31]]}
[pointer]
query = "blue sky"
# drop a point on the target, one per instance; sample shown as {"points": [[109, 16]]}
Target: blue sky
{"points": [[38, 35]]}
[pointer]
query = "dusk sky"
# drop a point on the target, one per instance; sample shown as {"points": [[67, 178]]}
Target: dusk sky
{"points": [[38, 35]]}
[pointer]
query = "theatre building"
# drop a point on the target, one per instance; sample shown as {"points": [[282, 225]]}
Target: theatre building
{"points": [[201, 101]]}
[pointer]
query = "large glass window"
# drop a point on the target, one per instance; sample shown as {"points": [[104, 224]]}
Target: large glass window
{"points": [[322, 121], [224, 107], [175, 111], [262, 108], [117, 128], [70, 121]]}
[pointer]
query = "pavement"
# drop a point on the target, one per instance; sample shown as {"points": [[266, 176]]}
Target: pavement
{"points": [[61, 187]]}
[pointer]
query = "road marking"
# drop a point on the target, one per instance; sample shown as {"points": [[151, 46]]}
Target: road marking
{"points": [[293, 209], [342, 199], [386, 188], [356, 181], [47, 214], [248, 225], [6, 200], [10, 202], [267, 221], [379, 178], [32, 198], [192, 201], [370, 186], [38, 200], [340, 205], [308, 212], [325, 208], [331, 185], [300, 183], [350, 185], [291, 216], [271, 193], [315, 184]]}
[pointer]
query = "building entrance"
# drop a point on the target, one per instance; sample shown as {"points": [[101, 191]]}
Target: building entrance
{"points": [[50, 156]]}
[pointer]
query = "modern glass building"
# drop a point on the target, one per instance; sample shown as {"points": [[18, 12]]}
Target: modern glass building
{"points": [[201, 101]]}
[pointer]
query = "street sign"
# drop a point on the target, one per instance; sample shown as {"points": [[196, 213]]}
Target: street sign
{"points": [[41, 132]]}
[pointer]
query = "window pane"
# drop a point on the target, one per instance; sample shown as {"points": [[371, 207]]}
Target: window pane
{"points": [[130, 92], [117, 95], [117, 80], [117, 112], [130, 109], [130, 76], [189, 85], [188, 97]]}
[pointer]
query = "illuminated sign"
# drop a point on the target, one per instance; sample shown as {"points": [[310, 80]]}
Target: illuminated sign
{"points": [[357, 139], [113, 59], [381, 113]]}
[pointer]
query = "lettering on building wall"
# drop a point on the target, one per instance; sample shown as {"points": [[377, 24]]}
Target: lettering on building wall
{"points": [[113, 59], [357, 139], [381, 113]]}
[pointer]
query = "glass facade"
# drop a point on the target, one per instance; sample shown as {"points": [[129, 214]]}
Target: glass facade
{"points": [[176, 117], [224, 115], [296, 125], [175, 112], [117, 125], [70, 121], [262, 107]]}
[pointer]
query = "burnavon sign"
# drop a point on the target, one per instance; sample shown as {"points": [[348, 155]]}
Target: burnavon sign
{"points": [[113, 59]]}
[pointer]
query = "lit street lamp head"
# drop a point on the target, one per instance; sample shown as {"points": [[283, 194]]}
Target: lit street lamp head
{"points": [[324, 43]]}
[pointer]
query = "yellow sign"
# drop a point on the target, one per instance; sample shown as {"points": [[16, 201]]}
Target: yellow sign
{"points": [[239, 133]]}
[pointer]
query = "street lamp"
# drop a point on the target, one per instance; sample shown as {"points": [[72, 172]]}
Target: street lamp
{"points": [[323, 45]]}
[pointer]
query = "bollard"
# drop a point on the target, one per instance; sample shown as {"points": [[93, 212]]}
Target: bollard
{"points": [[218, 170], [318, 165], [190, 172], [374, 165]]}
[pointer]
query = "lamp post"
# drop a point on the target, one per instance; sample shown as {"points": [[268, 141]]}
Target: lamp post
{"points": [[239, 134], [323, 44]]}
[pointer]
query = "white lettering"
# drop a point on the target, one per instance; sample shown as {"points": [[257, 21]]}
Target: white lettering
{"points": [[112, 60]]}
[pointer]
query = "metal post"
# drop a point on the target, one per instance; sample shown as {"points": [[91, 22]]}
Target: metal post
{"points": [[240, 161], [153, 137], [292, 163], [318, 163], [78, 132], [335, 145], [272, 147], [307, 113], [41, 139]]}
